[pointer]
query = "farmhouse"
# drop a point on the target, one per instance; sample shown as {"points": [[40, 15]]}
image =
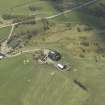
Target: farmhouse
{"points": [[54, 55]]}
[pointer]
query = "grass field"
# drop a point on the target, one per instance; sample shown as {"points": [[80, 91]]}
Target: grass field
{"points": [[44, 8], [22, 84], [7, 5], [35, 84], [88, 66], [4, 32], [42, 84], [32, 83], [21, 7]]}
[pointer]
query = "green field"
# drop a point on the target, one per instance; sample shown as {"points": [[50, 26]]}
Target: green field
{"points": [[7, 5], [44, 9], [21, 7], [31, 83], [4, 32], [22, 84]]}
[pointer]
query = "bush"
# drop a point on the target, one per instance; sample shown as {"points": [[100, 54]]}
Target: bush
{"points": [[33, 8], [85, 43]]}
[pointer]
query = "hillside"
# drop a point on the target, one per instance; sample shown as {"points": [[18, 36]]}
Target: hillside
{"points": [[74, 28]]}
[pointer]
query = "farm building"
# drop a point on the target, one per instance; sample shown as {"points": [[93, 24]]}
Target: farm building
{"points": [[54, 55], [61, 66]]}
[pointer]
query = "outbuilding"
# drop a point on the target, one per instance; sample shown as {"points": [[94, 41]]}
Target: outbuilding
{"points": [[61, 66], [54, 55]]}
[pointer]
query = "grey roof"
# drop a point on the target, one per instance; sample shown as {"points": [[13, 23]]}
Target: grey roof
{"points": [[54, 55]]}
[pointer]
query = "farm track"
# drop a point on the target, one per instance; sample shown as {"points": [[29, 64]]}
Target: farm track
{"points": [[22, 52]]}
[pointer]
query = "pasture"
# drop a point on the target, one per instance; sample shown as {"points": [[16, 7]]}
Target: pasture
{"points": [[32, 84], [25, 82], [4, 32]]}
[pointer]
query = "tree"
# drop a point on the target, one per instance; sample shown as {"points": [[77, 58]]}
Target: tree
{"points": [[45, 24]]}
